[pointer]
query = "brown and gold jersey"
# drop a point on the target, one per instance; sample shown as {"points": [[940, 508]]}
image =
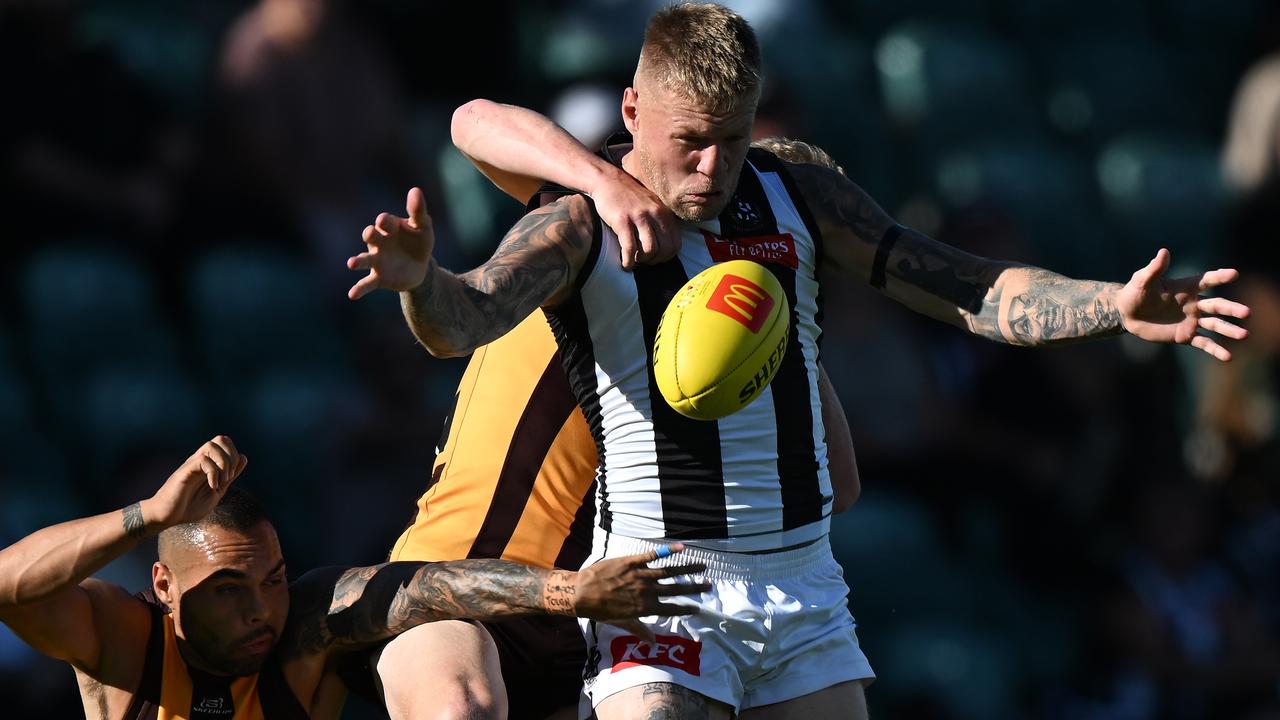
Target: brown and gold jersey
{"points": [[170, 690], [515, 476]]}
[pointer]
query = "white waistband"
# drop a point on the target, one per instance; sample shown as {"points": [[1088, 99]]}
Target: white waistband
{"points": [[730, 565]]}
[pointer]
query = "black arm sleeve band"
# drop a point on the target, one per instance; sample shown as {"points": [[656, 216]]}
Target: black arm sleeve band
{"points": [[882, 255]]}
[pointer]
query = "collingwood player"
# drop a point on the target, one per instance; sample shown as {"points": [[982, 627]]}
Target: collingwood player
{"points": [[749, 494]]}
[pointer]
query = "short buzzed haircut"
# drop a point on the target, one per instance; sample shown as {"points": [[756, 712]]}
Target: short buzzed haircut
{"points": [[798, 151], [237, 510], [702, 52]]}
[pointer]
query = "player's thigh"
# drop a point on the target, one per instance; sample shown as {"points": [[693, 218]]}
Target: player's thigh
{"points": [[846, 700], [664, 700], [438, 667]]}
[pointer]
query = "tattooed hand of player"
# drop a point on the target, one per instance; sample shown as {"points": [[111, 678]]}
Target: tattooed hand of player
{"points": [[1173, 311]]}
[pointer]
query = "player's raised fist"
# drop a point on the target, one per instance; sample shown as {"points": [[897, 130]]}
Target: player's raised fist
{"points": [[397, 250], [193, 490]]}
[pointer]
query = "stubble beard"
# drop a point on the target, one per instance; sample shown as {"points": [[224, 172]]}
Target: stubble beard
{"points": [[657, 183]]}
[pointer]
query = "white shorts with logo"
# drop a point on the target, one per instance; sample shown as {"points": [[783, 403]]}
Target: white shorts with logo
{"points": [[773, 627]]}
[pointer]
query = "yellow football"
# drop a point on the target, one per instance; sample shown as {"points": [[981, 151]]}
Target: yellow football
{"points": [[721, 340]]}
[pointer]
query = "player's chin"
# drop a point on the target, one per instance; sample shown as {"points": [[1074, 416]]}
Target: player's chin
{"points": [[698, 212]]}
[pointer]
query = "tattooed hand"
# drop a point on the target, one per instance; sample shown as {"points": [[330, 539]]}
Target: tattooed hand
{"points": [[398, 250], [192, 491], [1172, 311]]}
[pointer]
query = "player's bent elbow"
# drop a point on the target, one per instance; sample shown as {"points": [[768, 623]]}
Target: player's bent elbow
{"points": [[844, 501], [462, 123], [445, 352]]}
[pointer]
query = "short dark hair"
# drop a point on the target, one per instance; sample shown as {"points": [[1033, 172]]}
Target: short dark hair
{"points": [[237, 510]]}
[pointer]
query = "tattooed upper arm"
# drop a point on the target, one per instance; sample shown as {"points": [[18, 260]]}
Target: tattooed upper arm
{"points": [[535, 264], [923, 274], [1003, 301]]}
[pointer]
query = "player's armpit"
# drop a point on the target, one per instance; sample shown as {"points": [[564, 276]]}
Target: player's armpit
{"points": [[535, 265]]}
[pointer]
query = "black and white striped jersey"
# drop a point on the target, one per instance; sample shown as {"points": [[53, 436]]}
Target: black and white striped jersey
{"points": [[755, 480]]}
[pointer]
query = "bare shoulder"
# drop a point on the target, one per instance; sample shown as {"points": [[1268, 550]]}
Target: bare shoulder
{"points": [[123, 622], [569, 218]]}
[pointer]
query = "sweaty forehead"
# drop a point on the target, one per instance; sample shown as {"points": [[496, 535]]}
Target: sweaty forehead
{"points": [[253, 552]]}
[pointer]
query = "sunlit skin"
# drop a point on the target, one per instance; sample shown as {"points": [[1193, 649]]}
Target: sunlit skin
{"points": [[229, 596], [686, 154]]}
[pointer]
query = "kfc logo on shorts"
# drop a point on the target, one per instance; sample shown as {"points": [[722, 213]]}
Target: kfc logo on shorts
{"points": [[742, 300], [670, 651]]}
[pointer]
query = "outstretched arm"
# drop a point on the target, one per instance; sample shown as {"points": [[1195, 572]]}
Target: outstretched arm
{"points": [[44, 595], [519, 150], [1010, 302], [343, 609], [453, 314]]}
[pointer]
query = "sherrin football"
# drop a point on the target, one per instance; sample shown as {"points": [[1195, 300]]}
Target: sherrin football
{"points": [[721, 339]]}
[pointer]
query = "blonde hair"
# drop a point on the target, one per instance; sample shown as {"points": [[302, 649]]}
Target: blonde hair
{"points": [[798, 151], [702, 52]]}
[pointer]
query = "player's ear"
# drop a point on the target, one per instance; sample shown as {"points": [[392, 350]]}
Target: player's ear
{"points": [[162, 583], [630, 109]]}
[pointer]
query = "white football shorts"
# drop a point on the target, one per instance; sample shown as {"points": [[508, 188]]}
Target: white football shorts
{"points": [[773, 627]]}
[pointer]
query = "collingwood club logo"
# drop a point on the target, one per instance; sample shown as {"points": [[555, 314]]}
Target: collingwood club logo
{"points": [[744, 214]]}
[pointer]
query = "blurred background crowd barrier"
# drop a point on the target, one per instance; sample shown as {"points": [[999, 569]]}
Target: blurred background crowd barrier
{"points": [[1090, 532]]}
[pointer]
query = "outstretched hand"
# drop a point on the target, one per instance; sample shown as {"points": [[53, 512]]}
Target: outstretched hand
{"points": [[195, 488], [1173, 311], [397, 250], [621, 590]]}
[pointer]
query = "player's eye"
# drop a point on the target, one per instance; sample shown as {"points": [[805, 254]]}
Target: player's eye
{"points": [[226, 590]]}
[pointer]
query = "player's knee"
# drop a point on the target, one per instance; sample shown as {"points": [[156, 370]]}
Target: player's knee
{"points": [[469, 703]]}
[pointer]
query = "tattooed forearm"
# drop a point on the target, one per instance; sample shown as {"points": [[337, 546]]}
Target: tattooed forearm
{"points": [[134, 524], [454, 314], [481, 590], [1045, 308], [358, 606]]}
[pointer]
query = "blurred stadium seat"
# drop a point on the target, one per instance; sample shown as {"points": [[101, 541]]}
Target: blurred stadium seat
{"points": [[894, 561], [257, 310], [14, 413], [872, 17], [971, 671], [1037, 22], [951, 84], [140, 410], [89, 308], [1164, 191], [477, 210], [1103, 85], [1048, 191]]}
